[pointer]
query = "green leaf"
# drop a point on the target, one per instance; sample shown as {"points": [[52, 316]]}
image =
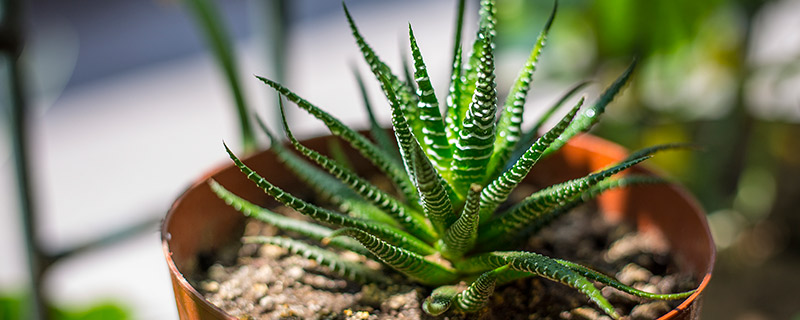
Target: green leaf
{"points": [[380, 158], [454, 116], [460, 237], [325, 185], [390, 234], [609, 281], [440, 300], [433, 191], [530, 135], [591, 115], [542, 266], [661, 147], [433, 135], [408, 100], [349, 269], [509, 127], [457, 36], [407, 217], [498, 190], [377, 132], [534, 206], [473, 149], [208, 18], [308, 229], [478, 293], [407, 262], [510, 239], [469, 300], [486, 32]]}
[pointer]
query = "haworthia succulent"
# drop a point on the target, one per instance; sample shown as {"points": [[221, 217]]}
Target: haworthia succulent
{"points": [[448, 213]]}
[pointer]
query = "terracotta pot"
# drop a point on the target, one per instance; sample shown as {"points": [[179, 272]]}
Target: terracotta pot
{"points": [[199, 223]]}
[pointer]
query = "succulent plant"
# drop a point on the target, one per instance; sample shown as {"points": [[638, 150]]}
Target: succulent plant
{"points": [[447, 220]]}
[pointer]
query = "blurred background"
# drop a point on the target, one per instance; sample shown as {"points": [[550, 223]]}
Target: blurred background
{"points": [[126, 102]]}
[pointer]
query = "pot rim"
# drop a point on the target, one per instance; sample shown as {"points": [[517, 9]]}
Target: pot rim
{"points": [[166, 237]]}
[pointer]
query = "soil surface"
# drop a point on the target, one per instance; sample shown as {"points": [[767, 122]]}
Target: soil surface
{"points": [[267, 282]]}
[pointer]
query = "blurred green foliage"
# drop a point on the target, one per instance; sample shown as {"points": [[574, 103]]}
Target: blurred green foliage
{"points": [[690, 86], [12, 307]]}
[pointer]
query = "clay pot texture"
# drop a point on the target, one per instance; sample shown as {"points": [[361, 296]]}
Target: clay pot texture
{"points": [[200, 223]]}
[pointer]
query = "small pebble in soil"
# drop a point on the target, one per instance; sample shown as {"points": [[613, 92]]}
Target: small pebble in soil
{"points": [[649, 310]]}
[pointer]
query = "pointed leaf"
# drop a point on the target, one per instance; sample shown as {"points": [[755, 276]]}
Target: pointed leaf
{"points": [[377, 132], [385, 232], [402, 132], [407, 262], [460, 237], [218, 38], [433, 191], [433, 136], [511, 239], [542, 266], [661, 147], [609, 281], [591, 115], [407, 217], [324, 184], [530, 135], [473, 149], [509, 127], [407, 98], [541, 202], [498, 190], [486, 32], [378, 157], [304, 228], [478, 293], [454, 116]]}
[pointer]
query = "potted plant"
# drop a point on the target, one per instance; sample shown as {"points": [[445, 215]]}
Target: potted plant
{"points": [[452, 216]]}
